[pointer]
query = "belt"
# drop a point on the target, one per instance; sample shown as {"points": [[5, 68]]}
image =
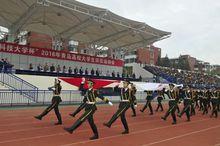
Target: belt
{"points": [[124, 100], [90, 102]]}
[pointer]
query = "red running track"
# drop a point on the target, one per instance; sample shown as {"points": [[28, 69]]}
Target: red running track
{"points": [[19, 128]]}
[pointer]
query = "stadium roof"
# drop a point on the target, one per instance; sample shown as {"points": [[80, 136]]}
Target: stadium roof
{"points": [[70, 19]]}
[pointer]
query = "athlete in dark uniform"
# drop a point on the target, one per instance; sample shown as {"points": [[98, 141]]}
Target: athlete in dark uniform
{"points": [[123, 107], [172, 94], [133, 99], [89, 103], [55, 103], [149, 98]]}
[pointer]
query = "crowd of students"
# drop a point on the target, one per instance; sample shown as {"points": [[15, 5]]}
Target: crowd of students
{"points": [[195, 79]]}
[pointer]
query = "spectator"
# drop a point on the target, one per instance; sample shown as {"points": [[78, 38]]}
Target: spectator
{"points": [[92, 72], [80, 71], [39, 68], [113, 74], [75, 70], [46, 67], [97, 72], [52, 68], [122, 75], [86, 71], [58, 69], [140, 78], [31, 66], [133, 76], [64, 69], [70, 70], [118, 75], [107, 73]]}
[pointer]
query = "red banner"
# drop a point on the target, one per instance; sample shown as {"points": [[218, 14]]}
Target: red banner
{"points": [[48, 53], [99, 83]]}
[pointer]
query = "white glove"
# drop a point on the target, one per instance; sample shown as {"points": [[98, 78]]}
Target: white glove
{"points": [[110, 103], [135, 106]]}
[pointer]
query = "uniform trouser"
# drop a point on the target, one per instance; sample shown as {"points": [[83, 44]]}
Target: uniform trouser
{"points": [[177, 108], [200, 104], [192, 109], [209, 104], [196, 103], [133, 108], [186, 110], [81, 107], [218, 106], [214, 110], [171, 110], [87, 115], [54, 106], [205, 107], [148, 103], [159, 106], [123, 107]]}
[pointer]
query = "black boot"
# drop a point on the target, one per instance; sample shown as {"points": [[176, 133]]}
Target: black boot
{"points": [[174, 122], [107, 125], [58, 123], [163, 118], [125, 132], [72, 115], [95, 136], [70, 131], [38, 117]]}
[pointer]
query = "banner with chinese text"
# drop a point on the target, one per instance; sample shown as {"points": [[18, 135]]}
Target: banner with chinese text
{"points": [[48, 53]]}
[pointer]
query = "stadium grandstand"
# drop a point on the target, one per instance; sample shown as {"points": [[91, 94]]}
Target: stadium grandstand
{"points": [[45, 39]]}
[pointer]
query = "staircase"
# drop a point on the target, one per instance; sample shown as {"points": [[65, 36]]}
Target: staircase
{"points": [[15, 83], [140, 71]]}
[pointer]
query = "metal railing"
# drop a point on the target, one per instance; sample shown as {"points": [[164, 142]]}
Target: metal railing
{"points": [[15, 83], [14, 97]]}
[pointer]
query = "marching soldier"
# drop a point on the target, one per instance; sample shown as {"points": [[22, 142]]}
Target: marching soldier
{"points": [[215, 103], [172, 94], [149, 98], [206, 102], [133, 99], [201, 95], [82, 92], [160, 97], [55, 103], [218, 95], [187, 103], [89, 103], [123, 107], [193, 101]]}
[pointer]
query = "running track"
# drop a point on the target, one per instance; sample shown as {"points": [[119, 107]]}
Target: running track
{"points": [[19, 128]]}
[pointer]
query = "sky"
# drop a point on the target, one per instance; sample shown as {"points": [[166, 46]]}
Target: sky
{"points": [[194, 24]]}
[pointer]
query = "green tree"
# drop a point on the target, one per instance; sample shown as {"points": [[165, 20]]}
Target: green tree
{"points": [[166, 62], [183, 64]]}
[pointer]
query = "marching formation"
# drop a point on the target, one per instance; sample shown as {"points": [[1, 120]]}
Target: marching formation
{"points": [[202, 99]]}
